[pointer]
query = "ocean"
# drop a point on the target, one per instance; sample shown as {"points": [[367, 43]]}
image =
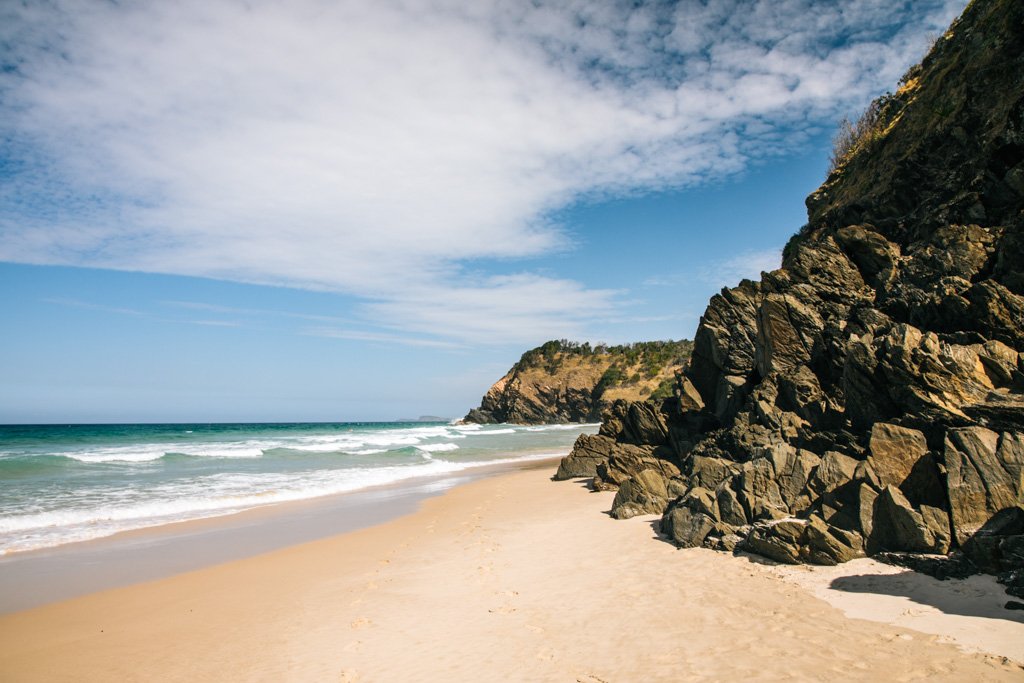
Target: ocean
{"points": [[61, 484]]}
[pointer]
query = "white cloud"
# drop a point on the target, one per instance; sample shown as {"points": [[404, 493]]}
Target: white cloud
{"points": [[748, 264], [378, 148], [744, 265]]}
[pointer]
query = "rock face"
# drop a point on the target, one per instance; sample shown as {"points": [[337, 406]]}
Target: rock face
{"points": [[867, 397], [564, 382]]}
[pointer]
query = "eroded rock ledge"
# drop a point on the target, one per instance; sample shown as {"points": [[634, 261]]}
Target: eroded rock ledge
{"points": [[867, 397]]}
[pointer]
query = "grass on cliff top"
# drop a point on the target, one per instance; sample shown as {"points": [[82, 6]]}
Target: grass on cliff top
{"points": [[628, 371]]}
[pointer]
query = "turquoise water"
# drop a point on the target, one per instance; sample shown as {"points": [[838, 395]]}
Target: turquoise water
{"points": [[60, 484]]}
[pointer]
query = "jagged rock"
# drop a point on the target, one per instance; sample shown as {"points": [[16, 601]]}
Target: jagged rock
{"points": [[710, 472], [758, 492], [587, 453], [890, 340], [894, 452], [955, 566], [793, 469], [627, 461], [866, 497], [829, 545], [730, 510], [874, 255], [689, 397], [834, 470], [998, 546], [686, 528], [645, 493], [896, 526], [701, 500], [780, 541], [984, 473]]}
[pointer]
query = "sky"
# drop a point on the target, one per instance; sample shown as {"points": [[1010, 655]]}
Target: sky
{"points": [[323, 210]]}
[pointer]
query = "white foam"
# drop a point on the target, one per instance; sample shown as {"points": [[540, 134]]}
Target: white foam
{"points": [[437, 447], [209, 496], [559, 428]]}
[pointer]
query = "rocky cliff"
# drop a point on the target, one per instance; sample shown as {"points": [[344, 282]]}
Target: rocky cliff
{"points": [[562, 382], [867, 397]]}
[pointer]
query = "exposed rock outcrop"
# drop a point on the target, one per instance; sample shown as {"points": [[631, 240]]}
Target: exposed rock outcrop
{"points": [[564, 382], [867, 397]]}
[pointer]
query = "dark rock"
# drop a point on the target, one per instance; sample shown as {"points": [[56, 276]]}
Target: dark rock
{"points": [[587, 453], [758, 492], [646, 493], [834, 470], [701, 500], [710, 472], [829, 545], [956, 566], [780, 541], [793, 469], [872, 386], [730, 510], [894, 452], [627, 460], [896, 526], [997, 545], [983, 476], [686, 528]]}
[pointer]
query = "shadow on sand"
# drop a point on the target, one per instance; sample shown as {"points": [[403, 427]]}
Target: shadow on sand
{"points": [[975, 596]]}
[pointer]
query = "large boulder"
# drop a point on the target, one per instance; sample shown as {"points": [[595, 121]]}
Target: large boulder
{"points": [[645, 493], [685, 527], [894, 452], [897, 526], [984, 472], [587, 453]]}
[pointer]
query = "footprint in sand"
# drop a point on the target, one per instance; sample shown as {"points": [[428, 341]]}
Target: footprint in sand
{"points": [[504, 609], [361, 622], [354, 646], [348, 676], [545, 654]]}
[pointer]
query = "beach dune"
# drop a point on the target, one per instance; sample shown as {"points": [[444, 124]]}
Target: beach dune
{"points": [[516, 577]]}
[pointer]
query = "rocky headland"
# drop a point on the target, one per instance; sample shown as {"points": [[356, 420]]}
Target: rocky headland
{"points": [[565, 382], [867, 398]]}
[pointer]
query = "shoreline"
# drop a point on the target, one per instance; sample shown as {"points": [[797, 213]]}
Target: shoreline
{"points": [[525, 562], [62, 572]]}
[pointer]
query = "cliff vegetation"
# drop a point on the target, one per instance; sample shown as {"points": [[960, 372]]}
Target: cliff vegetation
{"points": [[564, 381]]}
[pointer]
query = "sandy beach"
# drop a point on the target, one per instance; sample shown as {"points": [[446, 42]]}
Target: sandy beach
{"points": [[517, 577]]}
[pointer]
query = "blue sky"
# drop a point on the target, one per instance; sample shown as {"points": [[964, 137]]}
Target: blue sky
{"points": [[348, 211]]}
